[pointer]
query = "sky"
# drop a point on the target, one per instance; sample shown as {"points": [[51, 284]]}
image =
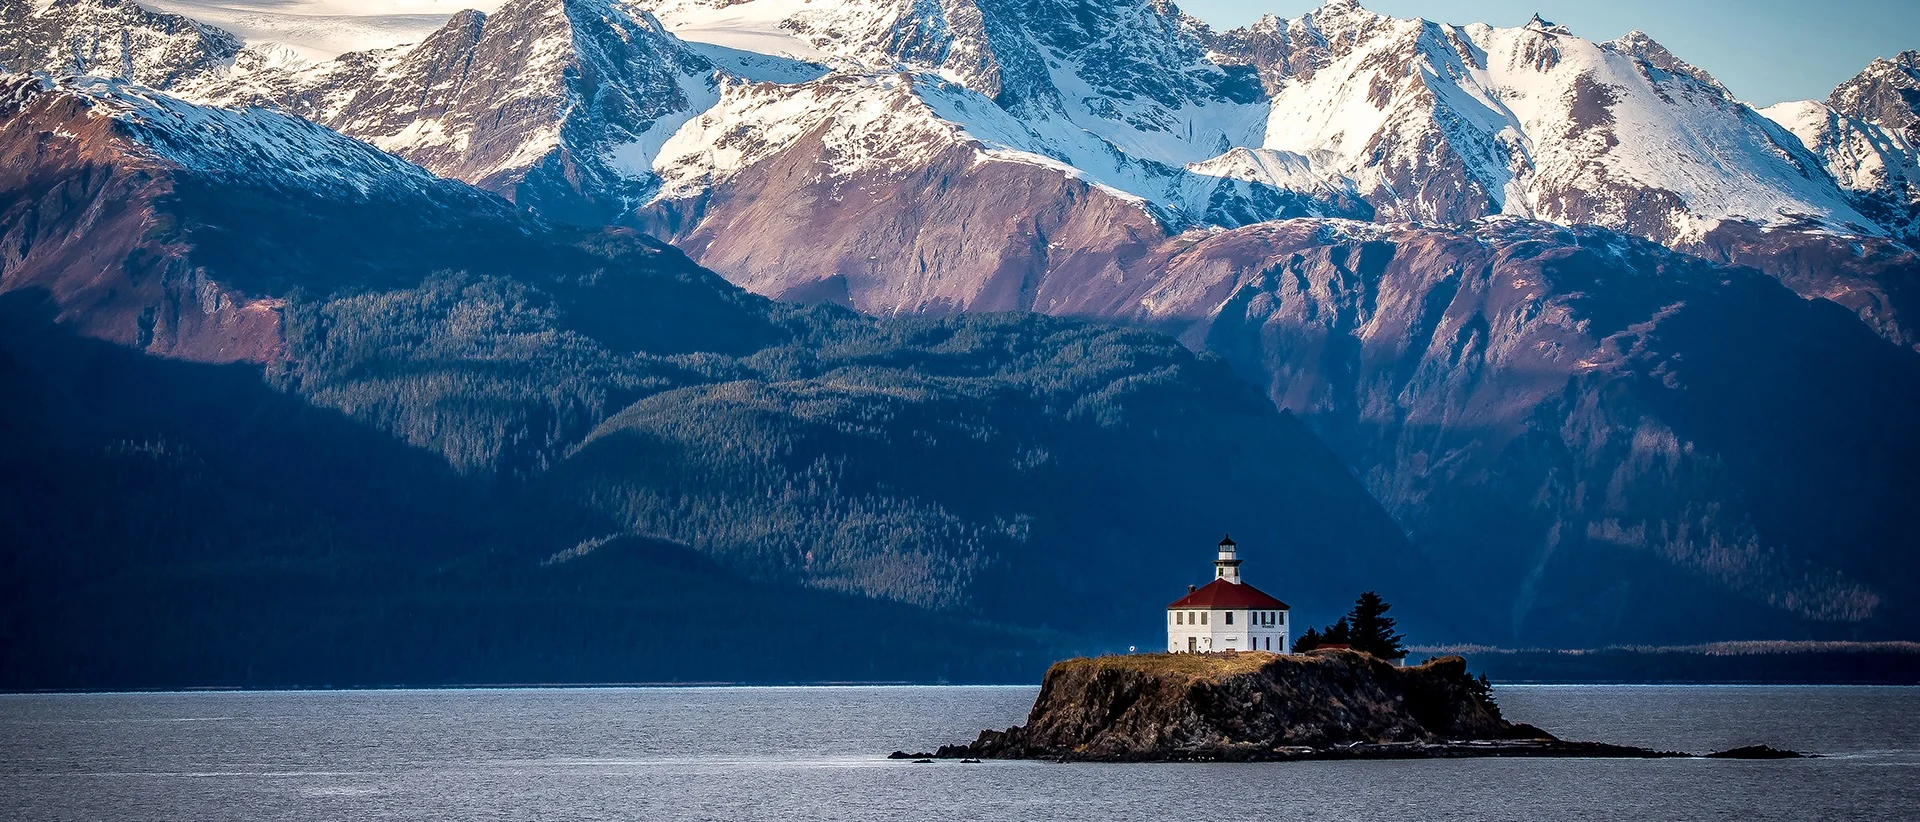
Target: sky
{"points": [[1766, 51]]}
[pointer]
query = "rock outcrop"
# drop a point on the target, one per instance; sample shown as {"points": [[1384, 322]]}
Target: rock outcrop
{"points": [[1245, 707], [1334, 704]]}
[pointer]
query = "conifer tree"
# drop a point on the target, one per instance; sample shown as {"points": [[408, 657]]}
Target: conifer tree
{"points": [[1339, 633], [1371, 630], [1482, 689], [1307, 641]]}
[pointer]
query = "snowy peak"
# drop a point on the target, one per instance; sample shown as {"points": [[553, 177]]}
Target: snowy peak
{"points": [[1887, 93], [1340, 24], [1644, 48], [1867, 134], [1542, 25], [1447, 124], [297, 33], [266, 149], [1335, 16], [557, 104], [1128, 50], [1008, 50], [17, 90], [589, 110], [110, 38]]}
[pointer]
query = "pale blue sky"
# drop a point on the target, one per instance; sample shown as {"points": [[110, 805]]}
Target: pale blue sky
{"points": [[1765, 50]]}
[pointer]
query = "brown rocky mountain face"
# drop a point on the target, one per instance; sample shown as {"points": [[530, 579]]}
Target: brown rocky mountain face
{"points": [[1877, 278], [1573, 408], [146, 219], [78, 226], [994, 239]]}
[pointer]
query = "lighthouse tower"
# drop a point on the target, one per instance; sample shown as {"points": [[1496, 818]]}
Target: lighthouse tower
{"points": [[1227, 567], [1227, 614]]}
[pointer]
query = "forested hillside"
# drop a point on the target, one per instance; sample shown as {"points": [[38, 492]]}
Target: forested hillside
{"points": [[355, 424], [174, 524]]}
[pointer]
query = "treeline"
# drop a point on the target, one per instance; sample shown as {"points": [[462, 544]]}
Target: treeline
{"points": [[1365, 628], [173, 525], [966, 465]]}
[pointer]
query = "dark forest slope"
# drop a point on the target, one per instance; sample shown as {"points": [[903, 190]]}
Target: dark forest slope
{"points": [[403, 432]]}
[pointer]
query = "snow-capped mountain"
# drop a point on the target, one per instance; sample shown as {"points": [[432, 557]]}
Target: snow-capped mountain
{"points": [[1442, 123], [1127, 97], [94, 158], [1424, 121], [267, 148], [1868, 134], [110, 38], [962, 154], [1341, 112], [558, 105], [314, 31]]}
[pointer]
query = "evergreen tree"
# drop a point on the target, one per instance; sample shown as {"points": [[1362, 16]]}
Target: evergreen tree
{"points": [[1307, 641], [1339, 633], [1482, 689], [1371, 630]]}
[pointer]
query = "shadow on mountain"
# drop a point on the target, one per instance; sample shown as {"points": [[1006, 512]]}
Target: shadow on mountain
{"points": [[179, 525]]}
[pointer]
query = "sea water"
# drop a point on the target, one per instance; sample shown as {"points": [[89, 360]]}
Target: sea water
{"points": [[819, 753]]}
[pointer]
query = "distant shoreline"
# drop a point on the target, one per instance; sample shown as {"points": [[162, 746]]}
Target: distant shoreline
{"points": [[1721, 663]]}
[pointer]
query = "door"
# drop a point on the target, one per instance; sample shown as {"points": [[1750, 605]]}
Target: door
{"points": [[1193, 644]]}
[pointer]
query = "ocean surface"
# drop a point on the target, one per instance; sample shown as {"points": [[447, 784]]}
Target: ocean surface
{"points": [[818, 753]]}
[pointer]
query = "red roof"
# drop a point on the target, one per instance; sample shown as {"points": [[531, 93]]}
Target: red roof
{"points": [[1221, 595]]}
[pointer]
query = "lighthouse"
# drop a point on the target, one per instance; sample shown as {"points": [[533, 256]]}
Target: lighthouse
{"points": [[1227, 614], [1227, 567]]}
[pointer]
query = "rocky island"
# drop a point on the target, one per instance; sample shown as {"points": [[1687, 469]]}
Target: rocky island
{"points": [[1253, 706]]}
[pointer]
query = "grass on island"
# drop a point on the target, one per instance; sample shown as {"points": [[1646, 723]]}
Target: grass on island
{"points": [[1188, 665], [1196, 666]]}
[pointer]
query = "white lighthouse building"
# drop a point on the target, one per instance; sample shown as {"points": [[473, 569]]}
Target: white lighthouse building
{"points": [[1227, 614]]}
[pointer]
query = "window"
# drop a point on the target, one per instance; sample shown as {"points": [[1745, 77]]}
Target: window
{"points": [[1203, 618], [1229, 617], [1179, 618]]}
